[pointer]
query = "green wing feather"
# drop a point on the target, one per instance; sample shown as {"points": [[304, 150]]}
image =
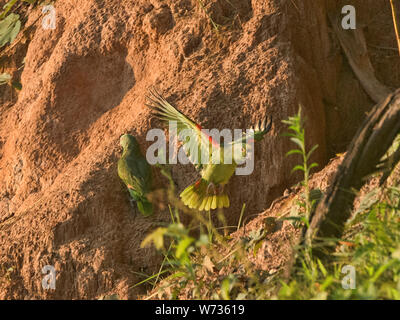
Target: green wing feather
{"points": [[196, 144], [135, 172], [134, 179]]}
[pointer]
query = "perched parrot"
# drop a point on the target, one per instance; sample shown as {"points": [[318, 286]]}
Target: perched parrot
{"points": [[208, 192], [135, 172]]}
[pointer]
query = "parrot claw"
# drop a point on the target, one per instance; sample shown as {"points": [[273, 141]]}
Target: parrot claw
{"points": [[217, 189], [211, 185]]}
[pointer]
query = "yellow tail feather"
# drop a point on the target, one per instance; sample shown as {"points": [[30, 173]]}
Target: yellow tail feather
{"points": [[214, 202], [195, 197]]}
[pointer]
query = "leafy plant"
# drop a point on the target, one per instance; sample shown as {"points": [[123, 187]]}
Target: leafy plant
{"points": [[10, 4], [201, 267], [10, 26], [297, 135], [9, 29], [373, 251]]}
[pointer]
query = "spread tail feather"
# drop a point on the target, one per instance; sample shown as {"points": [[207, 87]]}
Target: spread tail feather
{"points": [[195, 196]]}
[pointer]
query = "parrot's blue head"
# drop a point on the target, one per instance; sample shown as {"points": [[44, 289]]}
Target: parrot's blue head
{"points": [[128, 141]]}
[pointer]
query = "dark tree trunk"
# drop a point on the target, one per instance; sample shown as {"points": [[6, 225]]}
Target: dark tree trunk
{"points": [[367, 148]]}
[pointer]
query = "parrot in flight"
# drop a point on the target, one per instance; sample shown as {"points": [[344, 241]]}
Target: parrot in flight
{"points": [[208, 192], [135, 172]]}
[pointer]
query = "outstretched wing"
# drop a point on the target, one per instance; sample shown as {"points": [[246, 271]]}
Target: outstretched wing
{"points": [[242, 147], [196, 143]]}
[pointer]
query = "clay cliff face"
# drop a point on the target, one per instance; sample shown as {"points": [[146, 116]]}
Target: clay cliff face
{"points": [[84, 84]]}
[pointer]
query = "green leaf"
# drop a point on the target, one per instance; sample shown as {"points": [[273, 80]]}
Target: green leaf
{"points": [[295, 128], [7, 7], [298, 142], [294, 151], [328, 281], [257, 247], [156, 275], [381, 269], [182, 246], [227, 285], [311, 151], [9, 29], [157, 237], [297, 168], [312, 165], [202, 241], [225, 289], [322, 268]]}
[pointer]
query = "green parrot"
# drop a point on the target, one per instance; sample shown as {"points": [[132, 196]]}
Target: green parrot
{"points": [[135, 172], [208, 192]]}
